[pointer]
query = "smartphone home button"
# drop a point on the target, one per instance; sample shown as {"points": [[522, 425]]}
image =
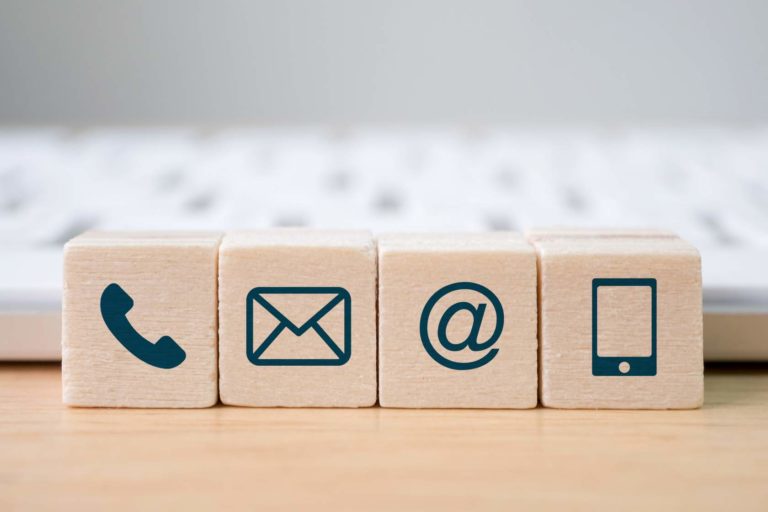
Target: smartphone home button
{"points": [[624, 367]]}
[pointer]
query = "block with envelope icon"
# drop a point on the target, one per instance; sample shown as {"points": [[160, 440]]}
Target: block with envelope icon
{"points": [[620, 320], [297, 319]]}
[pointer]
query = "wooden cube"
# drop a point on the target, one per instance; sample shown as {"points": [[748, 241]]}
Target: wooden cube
{"points": [[297, 313], [139, 320], [620, 321], [559, 233], [457, 321]]}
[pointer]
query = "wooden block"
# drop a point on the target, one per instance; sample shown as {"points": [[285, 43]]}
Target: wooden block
{"points": [[297, 312], [559, 233], [139, 320], [457, 321], [605, 302]]}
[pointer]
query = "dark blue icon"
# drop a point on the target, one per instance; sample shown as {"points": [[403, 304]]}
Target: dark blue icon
{"points": [[115, 305], [287, 330], [633, 366], [470, 342]]}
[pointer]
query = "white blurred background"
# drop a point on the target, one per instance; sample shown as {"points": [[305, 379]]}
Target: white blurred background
{"points": [[404, 115], [219, 62]]}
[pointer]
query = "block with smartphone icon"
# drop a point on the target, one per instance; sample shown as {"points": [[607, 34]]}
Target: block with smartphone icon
{"points": [[457, 321], [139, 325], [620, 320], [297, 319]]}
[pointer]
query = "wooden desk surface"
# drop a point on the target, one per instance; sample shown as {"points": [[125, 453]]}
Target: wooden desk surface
{"points": [[305, 459]]}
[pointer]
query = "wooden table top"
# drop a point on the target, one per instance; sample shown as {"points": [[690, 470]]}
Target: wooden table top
{"points": [[301, 459]]}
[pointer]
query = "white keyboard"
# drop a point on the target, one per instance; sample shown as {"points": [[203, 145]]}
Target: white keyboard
{"points": [[710, 185]]}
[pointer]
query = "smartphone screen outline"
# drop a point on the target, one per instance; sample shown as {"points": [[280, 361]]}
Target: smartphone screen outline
{"points": [[616, 366]]}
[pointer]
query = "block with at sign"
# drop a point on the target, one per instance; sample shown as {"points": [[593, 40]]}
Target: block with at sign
{"points": [[457, 321], [621, 321], [139, 320], [297, 312]]}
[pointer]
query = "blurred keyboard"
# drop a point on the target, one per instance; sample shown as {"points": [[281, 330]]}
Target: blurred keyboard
{"points": [[708, 184]]}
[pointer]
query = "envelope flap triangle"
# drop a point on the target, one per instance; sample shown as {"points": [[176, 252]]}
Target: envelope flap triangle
{"points": [[300, 307]]}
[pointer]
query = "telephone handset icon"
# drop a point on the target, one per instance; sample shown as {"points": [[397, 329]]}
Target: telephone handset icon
{"points": [[115, 305]]}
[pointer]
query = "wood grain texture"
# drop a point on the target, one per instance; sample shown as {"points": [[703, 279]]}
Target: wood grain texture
{"points": [[567, 266], [171, 278], [233, 458], [414, 267], [297, 258]]}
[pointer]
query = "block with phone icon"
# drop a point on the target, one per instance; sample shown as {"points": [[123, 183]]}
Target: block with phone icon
{"points": [[620, 320], [140, 325], [457, 321], [297, 313]]}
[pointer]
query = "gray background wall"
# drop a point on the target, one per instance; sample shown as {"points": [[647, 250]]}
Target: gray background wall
{"points": [[178, 61]]}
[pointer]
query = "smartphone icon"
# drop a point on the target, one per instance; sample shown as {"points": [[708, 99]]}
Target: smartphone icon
{"points": [[624, 327], [115, 305]]}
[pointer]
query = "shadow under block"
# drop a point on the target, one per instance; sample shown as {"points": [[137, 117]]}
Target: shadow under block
{"points": [[444, 341], [297, 313], [603, 300], [144, 287]]}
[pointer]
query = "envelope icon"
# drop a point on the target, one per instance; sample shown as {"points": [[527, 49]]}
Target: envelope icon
{"points": [[298, 326]]}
